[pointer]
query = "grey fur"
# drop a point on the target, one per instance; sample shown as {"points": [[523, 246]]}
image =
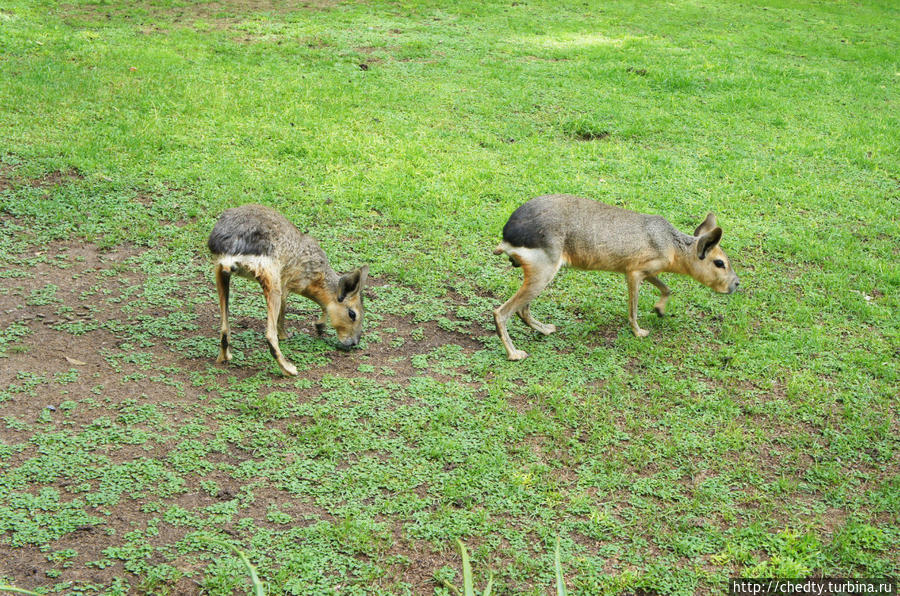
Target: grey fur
{"points": [[615, 233], [257, 242], [244, 231], [552, 231]]}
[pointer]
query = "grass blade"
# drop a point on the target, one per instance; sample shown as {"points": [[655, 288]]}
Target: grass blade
{"points": [[487, 588], [8, 588], [468, 582], [453, 589], [560, 582], [257, 584], [258, 589]]}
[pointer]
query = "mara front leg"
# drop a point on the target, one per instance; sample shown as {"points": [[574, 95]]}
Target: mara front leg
{"points": [[664, 293], [634, 285], [273, 293], [321, 322], [282, 332]]}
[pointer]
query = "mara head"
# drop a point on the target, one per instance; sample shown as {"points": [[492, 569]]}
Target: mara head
{"points": [[711, 267], [346, 312]]}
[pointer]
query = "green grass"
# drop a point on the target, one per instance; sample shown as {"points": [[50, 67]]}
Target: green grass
{"points": [[258, 588], [751, 435]]}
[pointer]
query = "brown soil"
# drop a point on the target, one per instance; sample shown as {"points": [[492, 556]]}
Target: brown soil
{"points": [[8, 178], [219, 13], [86, 292], [5, 177]]}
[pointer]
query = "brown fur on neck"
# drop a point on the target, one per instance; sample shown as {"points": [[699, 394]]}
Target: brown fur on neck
{"points": [[322, 288], [684, 247]]}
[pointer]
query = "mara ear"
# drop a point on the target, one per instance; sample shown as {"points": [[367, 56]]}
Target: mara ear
{"points": [[708, 224], [351, 283], [707, 242]]}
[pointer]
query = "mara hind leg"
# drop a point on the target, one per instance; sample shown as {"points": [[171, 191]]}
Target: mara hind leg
{"points": [[664, 293], [273, 293], [542, 328], [539, 268], [223, 287]]}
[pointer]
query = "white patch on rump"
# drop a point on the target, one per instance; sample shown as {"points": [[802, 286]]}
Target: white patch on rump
{"points": [[536, 257], [246, 265]]}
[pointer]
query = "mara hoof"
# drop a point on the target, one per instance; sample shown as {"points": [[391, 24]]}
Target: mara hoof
{"points": [[518, 355], [289, 370]]}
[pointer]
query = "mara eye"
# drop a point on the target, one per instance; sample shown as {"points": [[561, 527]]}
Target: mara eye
{"points": [[719, 263], [352, 314]]}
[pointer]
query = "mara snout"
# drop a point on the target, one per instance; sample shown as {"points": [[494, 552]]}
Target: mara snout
{"points": [[259, 243], [553, 231]]}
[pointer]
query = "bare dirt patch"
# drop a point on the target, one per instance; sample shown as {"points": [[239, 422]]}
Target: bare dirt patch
{"points": [[57, 178], [221, 13], [591, 135], [394, 352], [8, 179], [5, 177], [76, 302]]}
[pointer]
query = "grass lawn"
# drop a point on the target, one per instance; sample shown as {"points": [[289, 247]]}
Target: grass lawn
{"points": [[750, 435]]}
